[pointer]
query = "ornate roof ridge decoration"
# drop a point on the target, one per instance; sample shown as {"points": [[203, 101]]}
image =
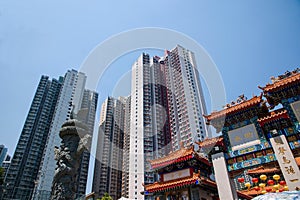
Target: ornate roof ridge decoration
{"points": [[262, 170], [209, 142], [282, 80], [234, 108], [162, 186], [183, 154], [276, 114]]}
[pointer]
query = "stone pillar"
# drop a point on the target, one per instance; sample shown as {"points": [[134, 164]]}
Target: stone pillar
{"points": [[226, 189], [286, 160]]}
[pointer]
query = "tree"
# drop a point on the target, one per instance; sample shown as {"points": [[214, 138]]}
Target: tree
{"points": [[106, 197], [1, 175]]}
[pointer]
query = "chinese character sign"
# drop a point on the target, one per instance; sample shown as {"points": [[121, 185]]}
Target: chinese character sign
{"points": [[286, 161], [177, 174], [243, 135]]}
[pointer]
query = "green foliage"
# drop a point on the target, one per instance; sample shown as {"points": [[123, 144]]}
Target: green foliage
{"points": [[1, 176], [106, 197]]}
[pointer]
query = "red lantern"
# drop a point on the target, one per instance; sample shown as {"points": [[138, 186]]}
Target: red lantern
{"points": [[282, 183], [256, 189], [241, 180], [268, 189], [254, 180], [270, 182]]}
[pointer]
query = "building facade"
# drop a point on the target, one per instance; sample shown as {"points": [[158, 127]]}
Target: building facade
{"points": [[167, 107], [126, 149], [23, 171], [89, 103], [186, 104], [144, 136], [109, 153]]}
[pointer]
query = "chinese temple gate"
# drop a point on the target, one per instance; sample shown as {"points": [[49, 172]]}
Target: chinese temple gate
{"points": [[260, 137]]}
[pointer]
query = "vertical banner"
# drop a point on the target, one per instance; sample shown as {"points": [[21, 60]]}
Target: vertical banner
{"points": [[286, 161]]}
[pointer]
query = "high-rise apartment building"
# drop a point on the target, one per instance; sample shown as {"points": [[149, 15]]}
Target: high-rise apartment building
{"points": [[33, 165], [126, 150], [186, 104], [149, 128], [109, 153], [89, 104], [72, 96], [22, 173], [61, 114], [167, 107]]}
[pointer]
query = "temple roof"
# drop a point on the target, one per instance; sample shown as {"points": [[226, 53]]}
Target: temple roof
{"points": [[210, 142], [262, 170], [194, 180], [161, 186], [183, 154], [273, 115], [234, 108], [282, 81]]}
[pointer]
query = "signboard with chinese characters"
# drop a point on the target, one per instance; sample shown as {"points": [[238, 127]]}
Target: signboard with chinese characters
{"points": [[252, 162], [243, 135], [296, 108], [286, 161], [263, 145], [177, 174]]}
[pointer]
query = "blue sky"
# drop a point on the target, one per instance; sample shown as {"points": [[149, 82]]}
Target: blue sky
{"points": [[249, 41]]}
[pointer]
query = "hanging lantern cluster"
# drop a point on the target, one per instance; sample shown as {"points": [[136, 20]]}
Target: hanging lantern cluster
{"points": [[271, 185]]}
